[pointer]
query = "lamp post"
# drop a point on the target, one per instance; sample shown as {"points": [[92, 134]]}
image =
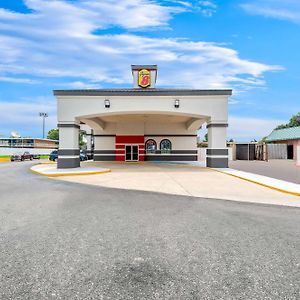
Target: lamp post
{"points": [[44, 115]]}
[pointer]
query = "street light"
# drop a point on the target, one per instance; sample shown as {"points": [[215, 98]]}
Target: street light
{"points": [[44, 115]]}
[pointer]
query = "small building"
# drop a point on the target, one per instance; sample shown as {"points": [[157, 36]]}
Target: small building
{"points": [[288, 136], [9, 146], [143, 123]]}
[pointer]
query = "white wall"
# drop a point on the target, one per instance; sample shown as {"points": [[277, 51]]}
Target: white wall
{"points": [[202, 154], [212, 107], [104, 142], [298, 155], [11, 151]]}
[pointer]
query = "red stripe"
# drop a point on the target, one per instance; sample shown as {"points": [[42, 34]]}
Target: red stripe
{"points": [[120, 152], [130, 139], [120, 146]]}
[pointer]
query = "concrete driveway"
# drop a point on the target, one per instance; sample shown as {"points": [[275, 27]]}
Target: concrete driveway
{"points": [[60, 240], [180, 179]]}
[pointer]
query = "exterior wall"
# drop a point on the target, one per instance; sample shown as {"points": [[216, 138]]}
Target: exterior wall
{"points": [[295, 143], [104, 147], [202, 154], [213, 108], [210, 108], [44, 144], [123, 140], [28, 143], [110, 145], [10, 151]]}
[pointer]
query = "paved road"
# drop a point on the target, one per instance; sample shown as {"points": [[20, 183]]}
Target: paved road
{"points": [[282, 169], [62, 240]]}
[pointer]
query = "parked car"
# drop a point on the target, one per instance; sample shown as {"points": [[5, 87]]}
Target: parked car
{"points": [[54, 155], [21, 156], [83, 155]]}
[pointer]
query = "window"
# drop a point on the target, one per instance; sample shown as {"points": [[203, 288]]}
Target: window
{"points": [[150, 146], [165, 146]]}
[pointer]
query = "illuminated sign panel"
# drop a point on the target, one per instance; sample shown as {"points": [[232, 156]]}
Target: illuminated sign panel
{"points": [[144, 78]]}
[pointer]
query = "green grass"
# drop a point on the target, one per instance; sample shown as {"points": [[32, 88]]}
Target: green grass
{"points": [[4, 156]]}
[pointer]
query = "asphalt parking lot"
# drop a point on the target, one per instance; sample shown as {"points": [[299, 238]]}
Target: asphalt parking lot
{"points": [[64, 240], [283, 169]]}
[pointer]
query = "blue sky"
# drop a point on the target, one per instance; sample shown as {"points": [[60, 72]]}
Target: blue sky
{"points": [[251, 46]]}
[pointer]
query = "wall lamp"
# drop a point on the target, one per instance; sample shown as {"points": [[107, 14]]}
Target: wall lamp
{"points": [[107, 103], [176, 103]]}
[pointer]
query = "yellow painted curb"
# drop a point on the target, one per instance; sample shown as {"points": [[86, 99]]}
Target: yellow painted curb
{"points": [[4, 159], [47, 163], [70, 174], [262, 184]]}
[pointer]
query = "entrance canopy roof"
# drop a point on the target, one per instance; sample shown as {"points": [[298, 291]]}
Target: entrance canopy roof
{"points": [[142, 92]]}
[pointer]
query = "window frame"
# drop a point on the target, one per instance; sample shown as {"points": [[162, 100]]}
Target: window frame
{"points": [[147, 149], [166, 151]]}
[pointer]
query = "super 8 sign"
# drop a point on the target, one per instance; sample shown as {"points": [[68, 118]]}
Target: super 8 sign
{"points": [[144, 79]]}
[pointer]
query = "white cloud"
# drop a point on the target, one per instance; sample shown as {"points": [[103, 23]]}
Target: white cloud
{"points": [[18, 80], [57, 39], [279, 9], [23, 116], [246, 129]]}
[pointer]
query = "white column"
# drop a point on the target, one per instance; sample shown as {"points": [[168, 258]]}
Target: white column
{"points": [[68, 152], [217, 152], [298, 155]]}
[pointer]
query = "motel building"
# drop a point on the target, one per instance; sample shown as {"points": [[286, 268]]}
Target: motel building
{"points": [[143, 123]]}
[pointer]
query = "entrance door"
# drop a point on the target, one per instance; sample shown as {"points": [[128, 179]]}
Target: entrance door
{"points": [[131, 152], [290, 152]]}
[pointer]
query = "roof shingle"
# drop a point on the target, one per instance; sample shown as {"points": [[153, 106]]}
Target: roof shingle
{"points": [[292, 133]]}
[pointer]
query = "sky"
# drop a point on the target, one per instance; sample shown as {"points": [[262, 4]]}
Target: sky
{"points": [[251, 46]]}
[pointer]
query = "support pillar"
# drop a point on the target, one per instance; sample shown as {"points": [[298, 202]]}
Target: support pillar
{"points": [[68, 152], [217, 152]]}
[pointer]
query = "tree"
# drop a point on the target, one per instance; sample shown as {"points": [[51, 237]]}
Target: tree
{"points": [[82, 139], [294, 122], [53, 134], [205, 138]]}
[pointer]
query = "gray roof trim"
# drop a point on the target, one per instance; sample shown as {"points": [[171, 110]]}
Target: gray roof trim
{"points": [[142, 92], [140, 67]]}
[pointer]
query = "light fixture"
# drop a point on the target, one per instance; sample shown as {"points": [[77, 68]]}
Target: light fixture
{"points": [[44, 115], [107, 103], [176, 103]]}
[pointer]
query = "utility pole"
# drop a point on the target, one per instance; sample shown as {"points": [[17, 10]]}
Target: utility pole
{"points": [[44, 115]]}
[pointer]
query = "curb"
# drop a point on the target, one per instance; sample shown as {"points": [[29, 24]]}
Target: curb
{"points": [[4, 159], [70, 174]]}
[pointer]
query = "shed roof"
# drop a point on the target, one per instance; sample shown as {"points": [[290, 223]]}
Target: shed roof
{"points": [[292, 133]]}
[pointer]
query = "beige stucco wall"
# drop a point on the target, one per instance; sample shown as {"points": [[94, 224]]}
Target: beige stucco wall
{"points": [[71, 108]]}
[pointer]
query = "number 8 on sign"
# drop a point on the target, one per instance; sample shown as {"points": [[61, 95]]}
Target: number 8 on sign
{"points": [[144, 79]]}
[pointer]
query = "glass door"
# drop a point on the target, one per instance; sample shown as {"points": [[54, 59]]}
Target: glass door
{"points": [[135, 153], [131, 152]]}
